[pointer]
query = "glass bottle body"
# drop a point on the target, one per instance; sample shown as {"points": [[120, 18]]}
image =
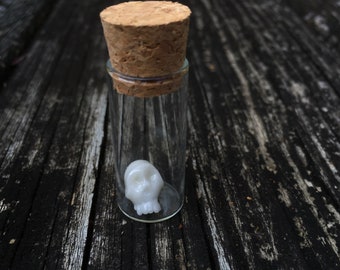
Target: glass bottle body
{"points": [[150, 129]]}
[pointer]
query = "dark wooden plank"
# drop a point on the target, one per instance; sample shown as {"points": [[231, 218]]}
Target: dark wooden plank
{"points": [[261, 114], [64, 124], [262, 168], [322, 17], [312, 94], [271, 226], [19, 21]]}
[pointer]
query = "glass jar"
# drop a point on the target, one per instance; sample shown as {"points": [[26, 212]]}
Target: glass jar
{"points": [[149, 137]]}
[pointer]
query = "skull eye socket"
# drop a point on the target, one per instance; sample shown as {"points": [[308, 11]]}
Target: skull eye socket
{"points": [[154, 177], [136, 179], [150, 174]]}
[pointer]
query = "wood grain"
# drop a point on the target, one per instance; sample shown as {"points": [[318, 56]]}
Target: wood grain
{"points": [[19, 21], [262, 168]]}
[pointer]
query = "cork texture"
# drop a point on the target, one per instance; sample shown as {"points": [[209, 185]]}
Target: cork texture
{"points": [[146, 39]]}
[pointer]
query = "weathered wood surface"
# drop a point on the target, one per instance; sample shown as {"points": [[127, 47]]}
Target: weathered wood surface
{"points": [[19, 20], [262, 189]]}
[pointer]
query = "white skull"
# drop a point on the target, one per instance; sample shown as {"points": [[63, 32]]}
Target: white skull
{"points": [[143, 183]]}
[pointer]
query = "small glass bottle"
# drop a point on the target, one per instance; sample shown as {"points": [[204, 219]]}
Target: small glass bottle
{"points": [[149, 137]]}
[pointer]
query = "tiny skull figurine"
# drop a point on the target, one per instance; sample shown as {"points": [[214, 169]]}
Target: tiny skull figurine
{"points": [[143, 184]]}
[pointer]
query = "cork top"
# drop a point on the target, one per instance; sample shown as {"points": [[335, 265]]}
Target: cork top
{"points": [[148, 13], [146, 39]]}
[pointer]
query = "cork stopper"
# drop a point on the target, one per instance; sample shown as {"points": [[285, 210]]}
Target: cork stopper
{"points": [[146, 39]]}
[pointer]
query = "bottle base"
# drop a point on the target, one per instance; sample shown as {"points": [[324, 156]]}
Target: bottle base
{"points": [[169, 199]]}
